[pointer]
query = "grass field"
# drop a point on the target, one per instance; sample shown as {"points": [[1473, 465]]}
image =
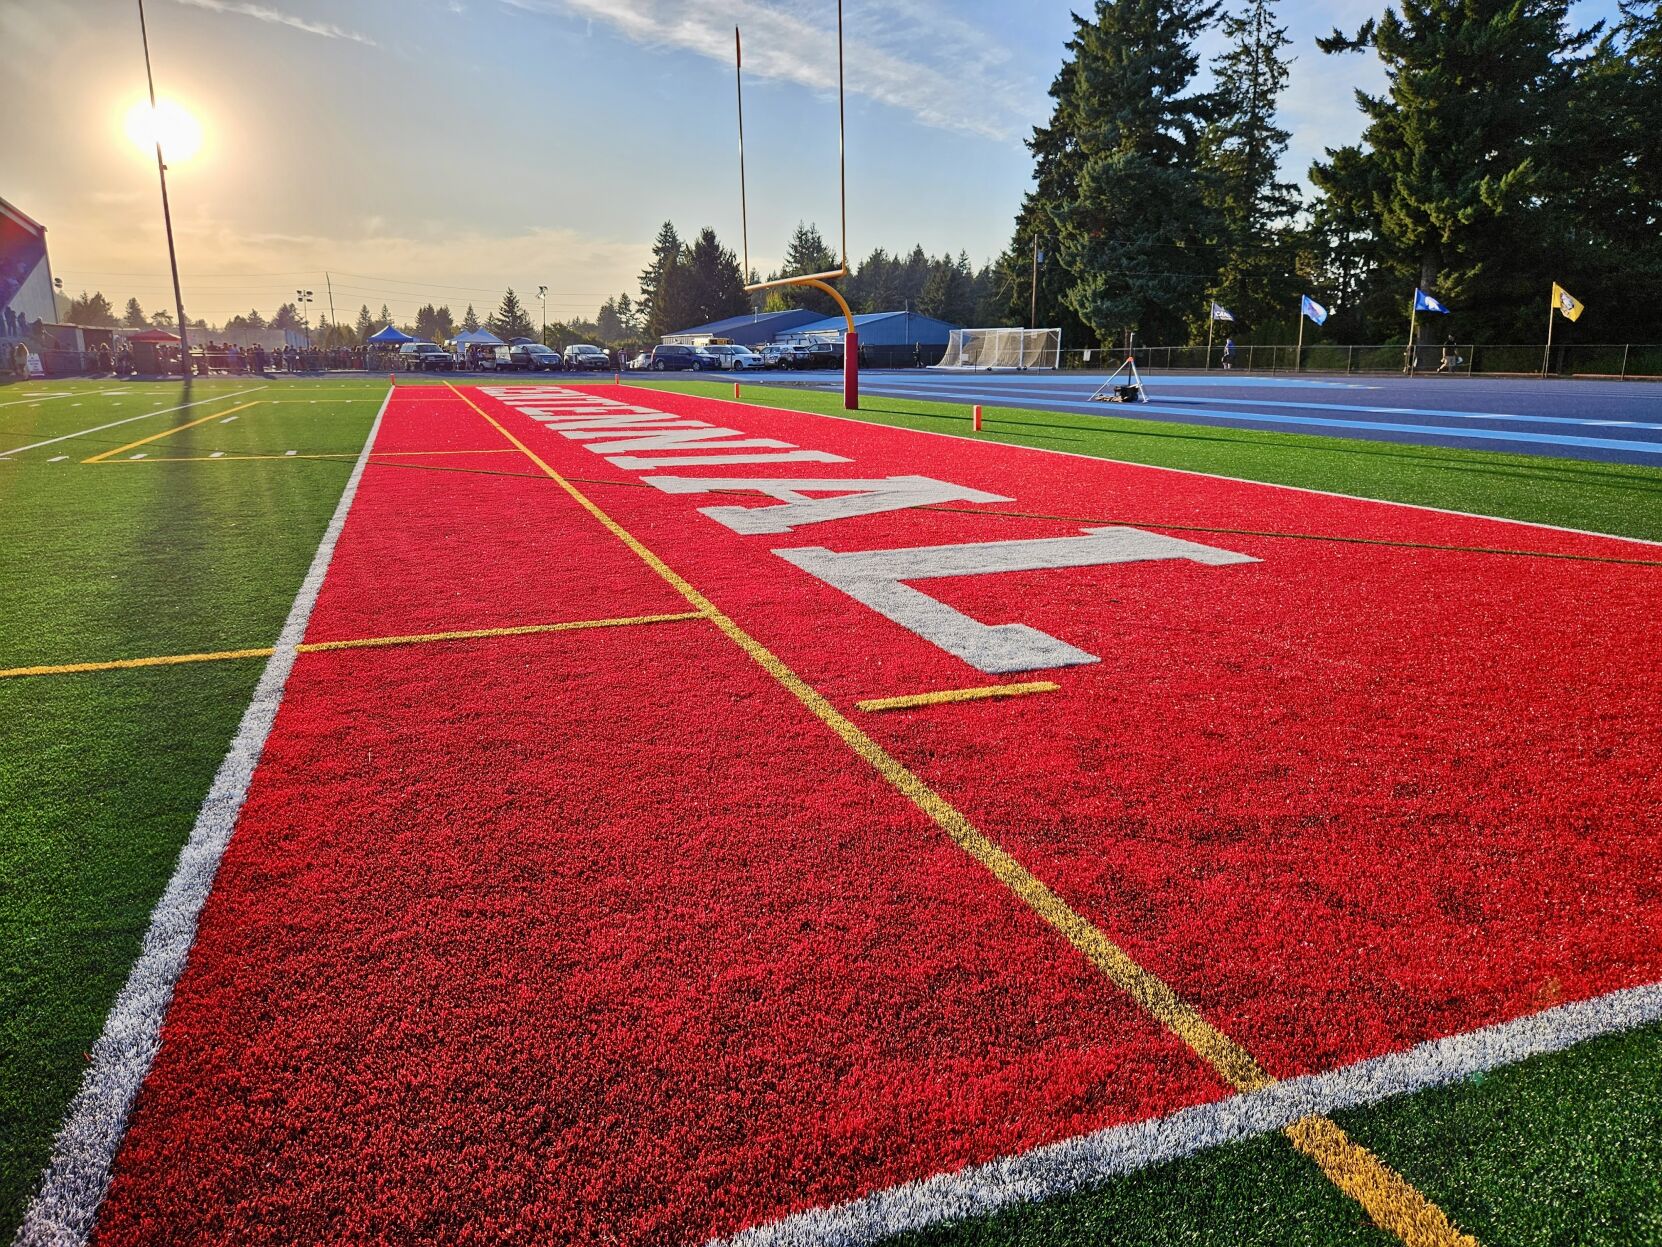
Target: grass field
{"points": [[199, 546]]}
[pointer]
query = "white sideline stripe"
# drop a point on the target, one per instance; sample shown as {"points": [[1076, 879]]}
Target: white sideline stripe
{"points": [[64, 1210], [1091, 1160], [129, 419], [1156, 467]]}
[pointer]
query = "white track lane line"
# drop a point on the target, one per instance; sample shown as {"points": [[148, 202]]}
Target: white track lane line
{"points": [[129, 419], [63, 1212], [1092, 1160]]}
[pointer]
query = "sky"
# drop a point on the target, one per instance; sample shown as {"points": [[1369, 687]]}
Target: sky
{"points": [[439, 151]]}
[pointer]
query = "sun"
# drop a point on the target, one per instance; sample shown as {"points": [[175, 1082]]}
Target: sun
{"points": [[180, 133]]}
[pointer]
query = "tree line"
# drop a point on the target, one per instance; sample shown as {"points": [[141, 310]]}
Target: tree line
{"points": [[1510, 149]]}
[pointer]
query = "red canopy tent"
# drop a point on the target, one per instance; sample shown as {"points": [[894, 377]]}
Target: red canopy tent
{"points": [[152, 335]]}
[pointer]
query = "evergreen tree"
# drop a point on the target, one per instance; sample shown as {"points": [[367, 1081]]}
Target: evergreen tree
{"points": [[1120, 189], [255, 321], [161, 318], [286, 317], [94, 310], [511, 319], [676, 300], [1465, 151], [806, 253], [435, 323], [717, 283], [666, 254], [364, 325], [608, 324], [470, 320], [133, 317], [1243, 148], [628, 315]]}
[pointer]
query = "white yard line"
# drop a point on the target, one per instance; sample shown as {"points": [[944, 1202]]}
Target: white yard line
{"points": [[37, 399], [51, 441], [1091, 1160], [65, 1209]]}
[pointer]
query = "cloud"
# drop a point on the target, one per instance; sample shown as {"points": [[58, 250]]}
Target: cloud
{"points": [[912, 54], [264, 13]]}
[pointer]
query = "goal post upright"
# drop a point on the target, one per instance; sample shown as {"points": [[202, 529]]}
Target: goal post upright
{"points": [[818, 281]]}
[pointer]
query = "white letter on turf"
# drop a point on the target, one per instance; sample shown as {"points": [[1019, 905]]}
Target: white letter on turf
{"points": [[893, 493], [875, 578]]}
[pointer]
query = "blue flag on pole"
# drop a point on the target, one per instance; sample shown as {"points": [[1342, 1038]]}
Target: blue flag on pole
{"points": [[1315, 311], [1425, 303], [1220, 312]]}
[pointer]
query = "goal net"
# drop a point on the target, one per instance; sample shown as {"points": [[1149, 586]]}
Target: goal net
{"points": [[1003, 348]]}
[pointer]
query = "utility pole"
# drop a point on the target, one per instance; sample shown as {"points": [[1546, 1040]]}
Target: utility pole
{"points": [[542, 294], [167, 214], [330, 287]]}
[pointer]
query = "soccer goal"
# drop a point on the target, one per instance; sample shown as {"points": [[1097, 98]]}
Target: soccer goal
{"points": [[1013, 349]]}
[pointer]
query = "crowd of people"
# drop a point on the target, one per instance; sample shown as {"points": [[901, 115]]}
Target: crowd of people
{"points": [[216, 358]]}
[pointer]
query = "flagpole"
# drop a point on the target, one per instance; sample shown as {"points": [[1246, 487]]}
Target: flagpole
{"points": [[1298, 352], [1211, 321], [1546, 356], [1413, 310]]}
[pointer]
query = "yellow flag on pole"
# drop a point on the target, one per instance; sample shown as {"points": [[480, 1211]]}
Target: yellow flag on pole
{"points": [[1566, 302]]}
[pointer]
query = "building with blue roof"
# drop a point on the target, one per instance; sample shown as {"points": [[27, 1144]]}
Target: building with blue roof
{"points": [[877, 329], [753, 329]]}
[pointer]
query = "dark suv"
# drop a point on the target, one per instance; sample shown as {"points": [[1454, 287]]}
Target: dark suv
{"points": [[675, 359]]}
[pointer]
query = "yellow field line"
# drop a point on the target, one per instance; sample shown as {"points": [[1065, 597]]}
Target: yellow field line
{"points": [[1388, 1198], [125, 664], [956, 694], [178, 428], [313, 647]]}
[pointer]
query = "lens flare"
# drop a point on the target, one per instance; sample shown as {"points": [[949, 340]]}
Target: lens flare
{"points": [[179, 132]]}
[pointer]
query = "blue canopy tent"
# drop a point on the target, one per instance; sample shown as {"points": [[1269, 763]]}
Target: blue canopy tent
{"points": [[471, 344], [390, 336]]}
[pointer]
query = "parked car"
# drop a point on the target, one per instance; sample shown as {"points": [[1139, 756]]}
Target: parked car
{"points": [[580, 356], [530, 357], [734, 358], [424, 357], [673, 359], [640, 361], [773, 355], [708, 360]]}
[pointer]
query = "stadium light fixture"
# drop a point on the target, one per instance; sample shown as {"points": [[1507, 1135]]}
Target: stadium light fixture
{"points": [[167, 213], [304, 297]]}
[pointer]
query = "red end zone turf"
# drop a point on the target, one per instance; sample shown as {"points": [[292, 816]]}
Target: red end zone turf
{"points": [[600, 936], [1345, 799], [590, 937]]}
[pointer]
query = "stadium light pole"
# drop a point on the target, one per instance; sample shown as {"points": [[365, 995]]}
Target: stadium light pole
{"points": [[304, 297], [542, 295], [167, 213]]}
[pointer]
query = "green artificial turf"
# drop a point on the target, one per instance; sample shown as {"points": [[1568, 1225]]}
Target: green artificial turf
{"points": [[1558, 1151], [101, 774], [1602, 497]]}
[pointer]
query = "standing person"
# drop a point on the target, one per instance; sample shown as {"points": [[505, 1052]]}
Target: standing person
{"points": [[1451, 358], [1229, 353]]}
